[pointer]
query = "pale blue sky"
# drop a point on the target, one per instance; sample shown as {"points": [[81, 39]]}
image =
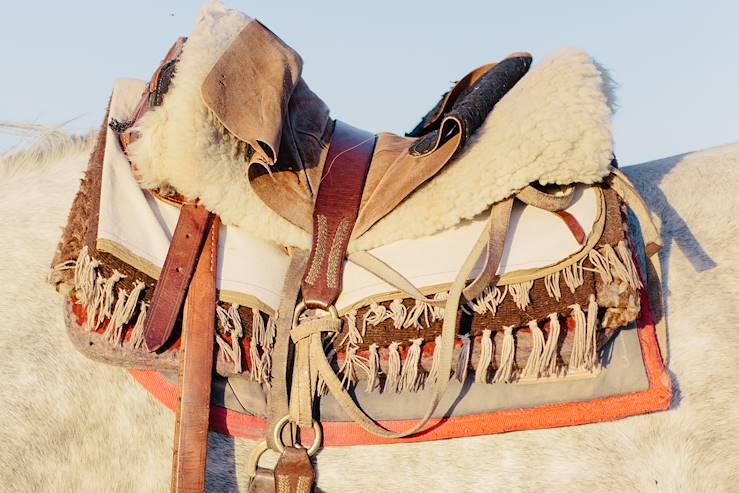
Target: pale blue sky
{"points": [[382, 64]]}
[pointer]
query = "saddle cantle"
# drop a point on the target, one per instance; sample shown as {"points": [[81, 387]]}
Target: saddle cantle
{"points": [[474, 276]]}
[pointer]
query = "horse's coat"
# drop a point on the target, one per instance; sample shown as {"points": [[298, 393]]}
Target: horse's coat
{"points": [[75, 425]]}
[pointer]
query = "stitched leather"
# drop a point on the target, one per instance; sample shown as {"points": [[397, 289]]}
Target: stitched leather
{"points": [[335, 212], [176, 275], [294, 472], [196, 366], [154, 93]]}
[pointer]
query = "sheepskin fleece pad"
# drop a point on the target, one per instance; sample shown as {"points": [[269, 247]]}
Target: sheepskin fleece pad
{"points": [[71, 424], [553, 126]]}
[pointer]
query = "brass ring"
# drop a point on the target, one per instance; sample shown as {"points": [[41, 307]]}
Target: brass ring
{"points": [[302, 307], [316, 441]]}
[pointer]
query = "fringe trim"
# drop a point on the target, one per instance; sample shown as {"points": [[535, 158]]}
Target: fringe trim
{"points": [[353, 335], [521, 293], [393, 369], [373, 380], [434, 372], [613, 264], [504, 373], [352, 363], [573, 275], [487, 301], [137, 335], [551, 283], [531, 369], [409, 377], [486, 357], [548, 362], [463, 360]]}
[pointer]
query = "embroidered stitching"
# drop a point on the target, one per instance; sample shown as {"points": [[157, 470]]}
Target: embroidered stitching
{"points": [[317, 263], [336, 254]]}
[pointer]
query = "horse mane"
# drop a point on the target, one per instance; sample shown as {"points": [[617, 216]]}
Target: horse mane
{"points": [[39, 146]]}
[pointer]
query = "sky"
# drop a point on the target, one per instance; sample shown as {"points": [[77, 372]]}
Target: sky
{"points": [[382, 64]]}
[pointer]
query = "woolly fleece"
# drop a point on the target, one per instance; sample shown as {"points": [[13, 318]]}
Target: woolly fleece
{"points": [[553, 126]]}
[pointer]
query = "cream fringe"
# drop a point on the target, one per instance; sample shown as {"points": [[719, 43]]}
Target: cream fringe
{"points": [[409, 380], [521, 293], [548, 362], [434, 372], [533, 363], [613, 264], [504, 373], [393, 369], [373, 380], [463, 360], [486, 356]]}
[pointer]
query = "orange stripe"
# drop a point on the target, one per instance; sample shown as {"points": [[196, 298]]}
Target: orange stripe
{"points": [[656, 398]]}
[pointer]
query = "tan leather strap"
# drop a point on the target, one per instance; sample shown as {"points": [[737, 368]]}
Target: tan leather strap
{"points": [[195, 374], [551, 202], [448, 335], [277, 398], [496, 230], [176, 274], [335, 212], [652, 246]]}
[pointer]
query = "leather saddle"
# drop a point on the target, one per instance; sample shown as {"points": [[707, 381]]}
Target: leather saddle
{"points": [[333, 185]]}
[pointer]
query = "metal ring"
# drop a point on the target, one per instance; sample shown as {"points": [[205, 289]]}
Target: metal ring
{"points": [[256, 453], [316, 441], [302, 307]]}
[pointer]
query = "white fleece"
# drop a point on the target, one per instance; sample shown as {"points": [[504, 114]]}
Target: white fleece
{"points": [[553, 126], [182, 146]]}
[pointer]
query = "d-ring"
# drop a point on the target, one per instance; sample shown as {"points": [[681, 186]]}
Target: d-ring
{"points": [[302, 307], [316, 441]]}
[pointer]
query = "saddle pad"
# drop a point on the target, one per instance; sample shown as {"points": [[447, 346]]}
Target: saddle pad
{"points": [[136, 227], [182, 146], [634, 382]]}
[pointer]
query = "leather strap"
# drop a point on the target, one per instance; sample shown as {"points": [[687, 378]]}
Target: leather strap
{"points": [[294, 472], [196, 367], [176, 274], [277, 398], [337, 205], [652, 247]]}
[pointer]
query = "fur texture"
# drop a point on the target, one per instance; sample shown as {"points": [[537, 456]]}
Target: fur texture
{"points": [[183, 146], [70, 424], [553, 126]]}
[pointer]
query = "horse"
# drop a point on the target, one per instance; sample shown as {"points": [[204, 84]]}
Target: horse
{"points": [[75, 425]]}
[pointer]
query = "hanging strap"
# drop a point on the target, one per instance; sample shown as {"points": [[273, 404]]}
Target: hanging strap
{"points": [[652, 246], [319, 365], [277, 398], [335, 212], [496, 230], [195, 372]]}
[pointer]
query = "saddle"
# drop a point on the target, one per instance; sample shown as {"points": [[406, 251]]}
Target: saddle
{"points": [[326, 285]]}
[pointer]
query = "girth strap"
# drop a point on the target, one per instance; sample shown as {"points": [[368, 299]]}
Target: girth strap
{"points": [[335, 212], [196, 367], [176, 274]]}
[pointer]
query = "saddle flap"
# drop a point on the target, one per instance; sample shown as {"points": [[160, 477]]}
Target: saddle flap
{"points": [[256, 92]]}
